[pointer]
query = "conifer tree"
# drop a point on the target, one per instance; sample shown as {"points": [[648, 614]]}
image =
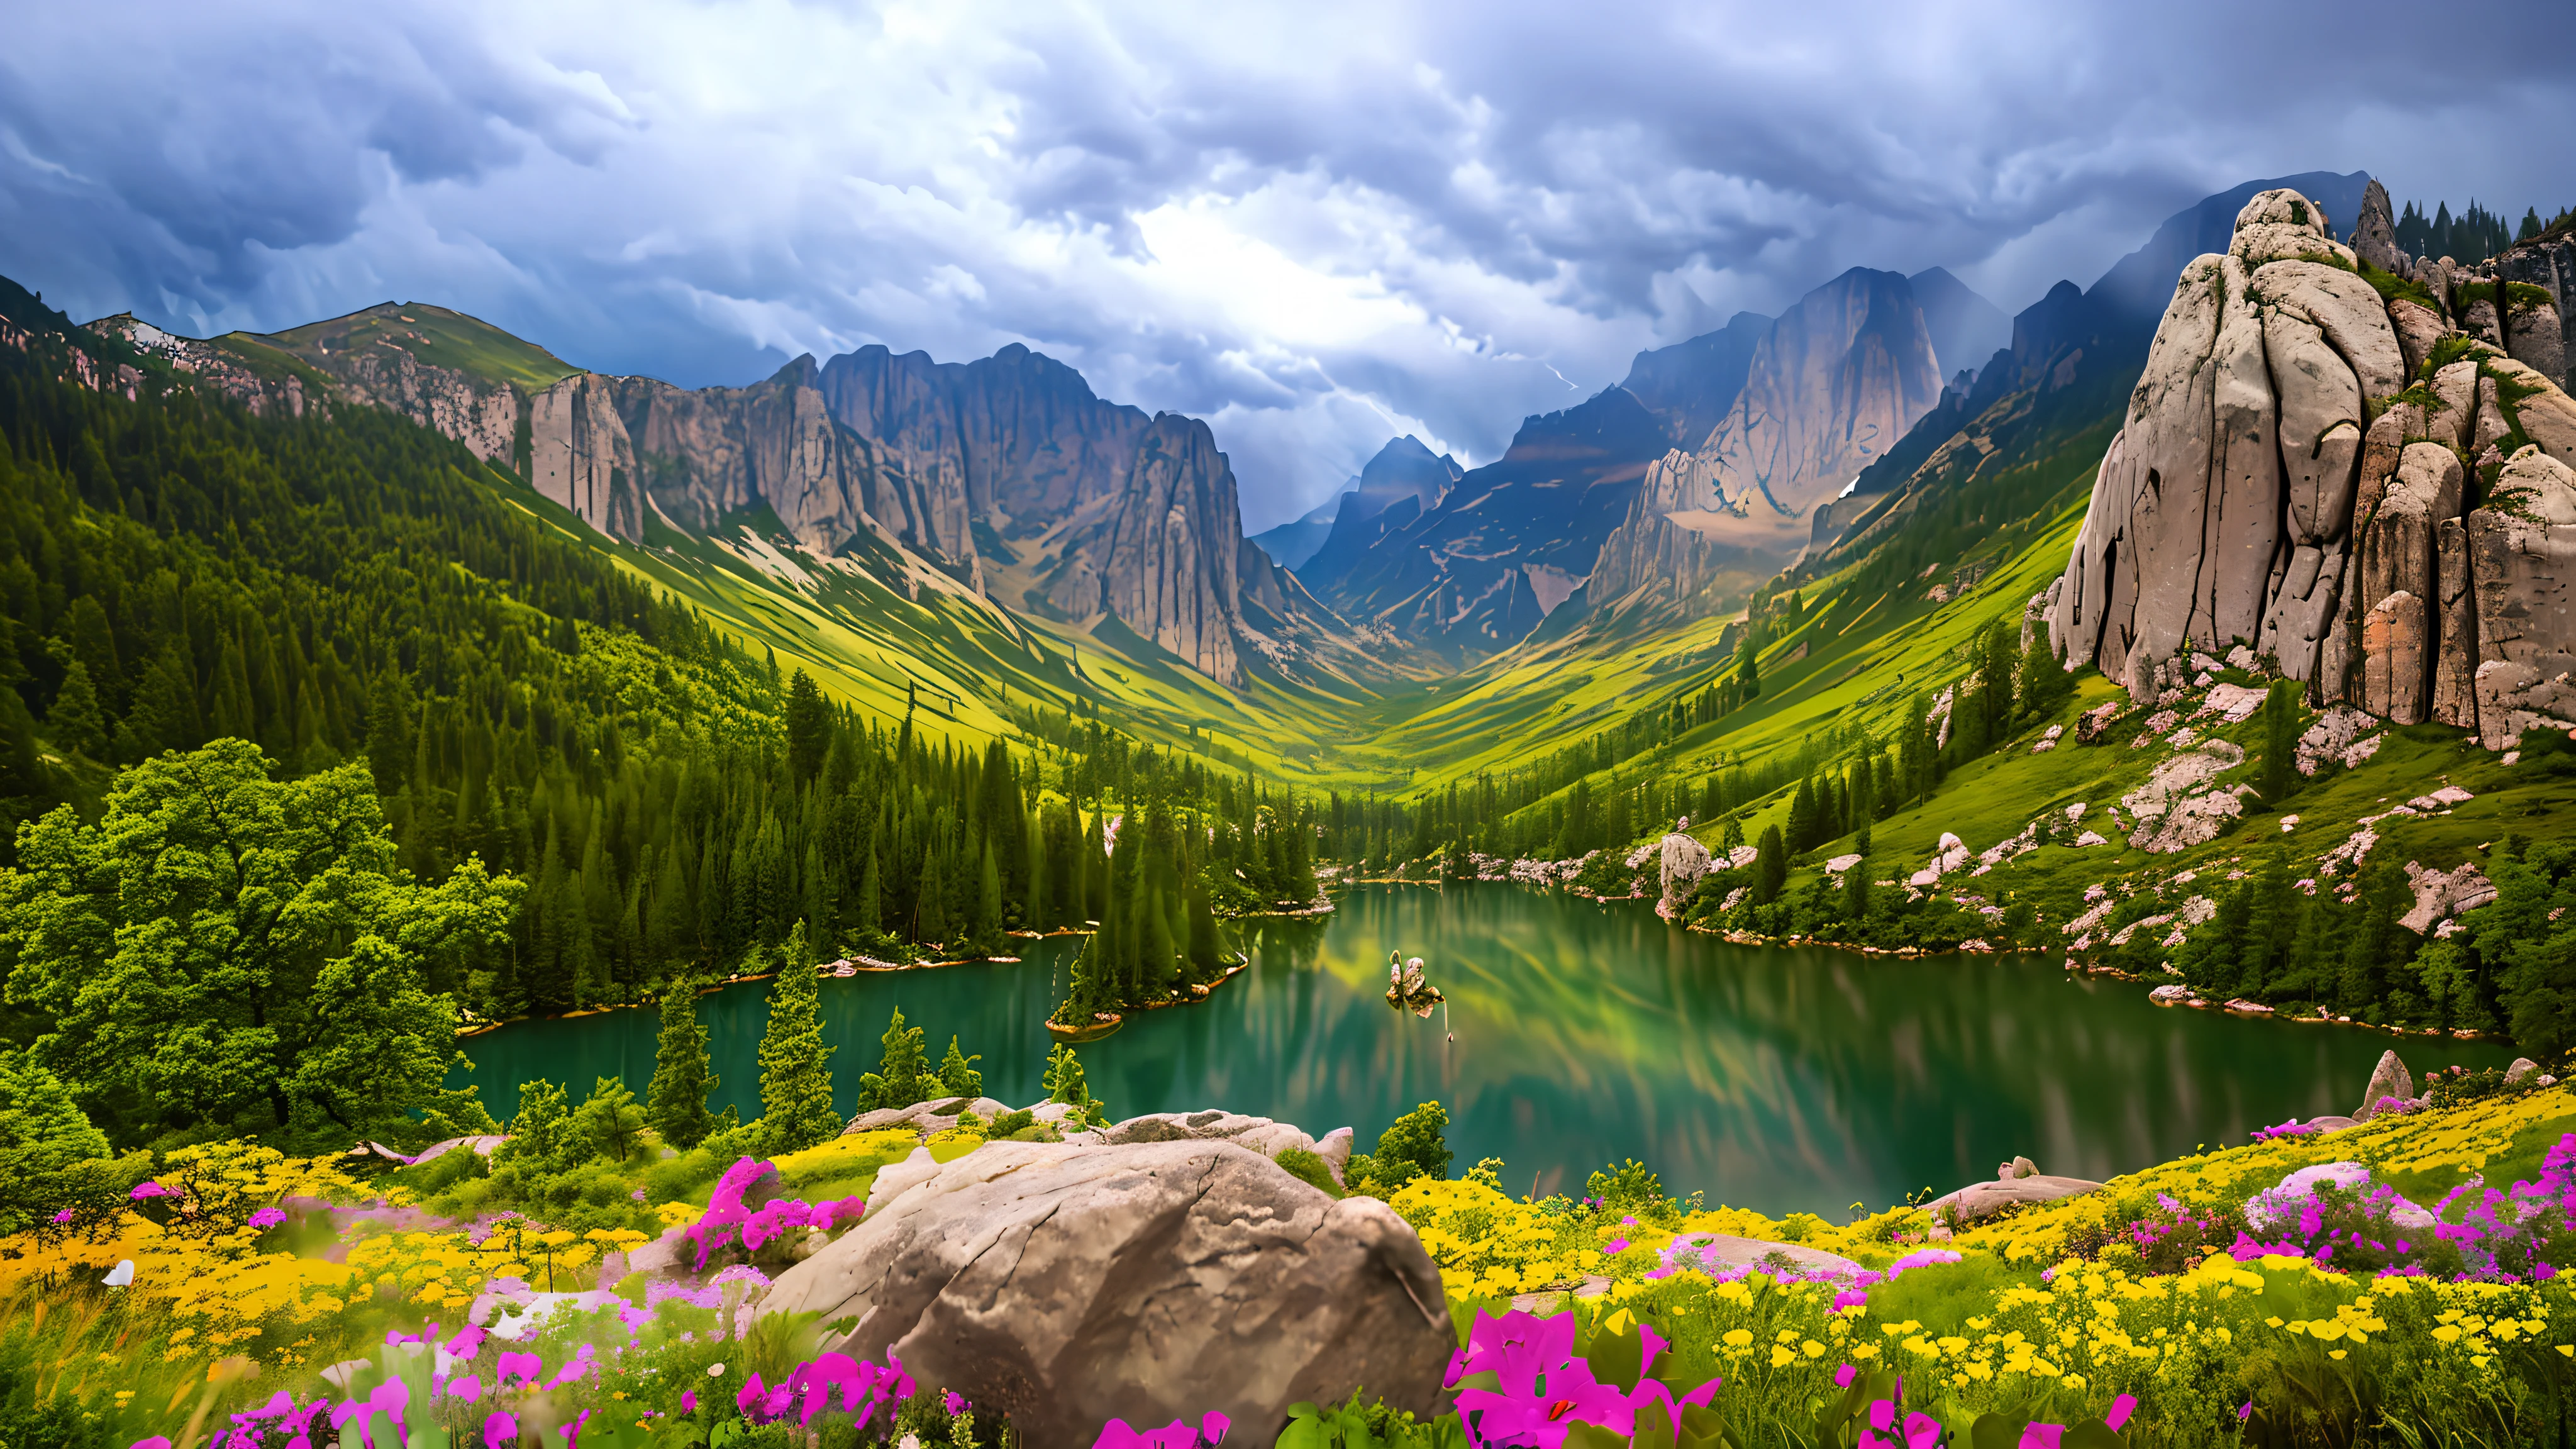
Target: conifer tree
{"points": [[1748, 668], [1856, 887], [957, 1074], [795, 1078], [74, 721], [984, 937], [809, 726], [675, 1104], [870, 922], [2280, 742], [1771, 871], [903, 1074]]}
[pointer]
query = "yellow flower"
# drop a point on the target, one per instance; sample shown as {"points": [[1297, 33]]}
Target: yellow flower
{"points": [[1737, 1338]]}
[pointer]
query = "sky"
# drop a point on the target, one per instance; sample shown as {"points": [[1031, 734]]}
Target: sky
{"points": [[1314, 225]]}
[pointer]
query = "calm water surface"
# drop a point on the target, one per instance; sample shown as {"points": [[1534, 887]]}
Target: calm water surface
{"points": [[1578, 1033]]}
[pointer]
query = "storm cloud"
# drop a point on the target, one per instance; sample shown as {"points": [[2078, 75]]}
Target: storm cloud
{"points": [[1315, 225]]}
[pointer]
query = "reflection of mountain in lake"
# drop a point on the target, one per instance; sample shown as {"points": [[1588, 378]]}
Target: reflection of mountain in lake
{"points": [[1773, 1079]]}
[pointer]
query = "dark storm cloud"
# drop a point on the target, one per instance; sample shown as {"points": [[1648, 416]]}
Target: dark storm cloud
{"points": [[1314, 225]]}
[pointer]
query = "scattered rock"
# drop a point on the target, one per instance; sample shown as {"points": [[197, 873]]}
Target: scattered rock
{"points": [[1065, 1286], [2234, 703], [2174, 994], [1718, 1252], [2244, 1007], [1841, 863], [2388, 1079], [2089, 726], [1979, 1200], [2442, 894], [2089, 838], [2522, 1070]]}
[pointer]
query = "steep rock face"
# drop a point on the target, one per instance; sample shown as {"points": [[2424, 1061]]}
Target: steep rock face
{"points": [[2289, 476], [1690, 385], [2550, 267], [580, 456], [1096, 508], [1513, 539], [1835, 383]]}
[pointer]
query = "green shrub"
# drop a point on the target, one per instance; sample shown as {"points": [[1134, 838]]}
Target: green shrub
{"points": [[1309, 1169]]}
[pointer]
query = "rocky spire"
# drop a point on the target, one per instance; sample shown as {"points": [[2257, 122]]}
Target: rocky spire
{"points": [[2292, 476]]}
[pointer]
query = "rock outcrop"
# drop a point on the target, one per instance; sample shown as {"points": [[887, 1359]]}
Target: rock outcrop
{"points": [[1684, 862], [2292, 477], [1066, 1285], [1834, 384]]}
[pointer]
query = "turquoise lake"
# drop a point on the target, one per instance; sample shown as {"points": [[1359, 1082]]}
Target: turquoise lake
{"points": [[1579, 1033]]}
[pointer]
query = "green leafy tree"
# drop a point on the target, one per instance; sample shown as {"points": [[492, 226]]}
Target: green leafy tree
{"points": [[610, 1123], [903, 1074], [683, 1074], [957, 1074], [543, 1140], [242, 953], [795, 1075], [1414, 1147]]}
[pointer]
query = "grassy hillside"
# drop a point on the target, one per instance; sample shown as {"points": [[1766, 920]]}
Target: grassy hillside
{"points": [[437, 336]]}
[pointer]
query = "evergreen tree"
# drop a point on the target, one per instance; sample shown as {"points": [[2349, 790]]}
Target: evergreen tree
{"points": [[1856, 889], [74, 721], [1771, 870], [903, 1074], [984, 937], [795, 1080], [2043, 685], [2280, 742], [957, 1074], [870, 921], [809, 724], [1748, 668], [676, 1101], [1801, 832]]}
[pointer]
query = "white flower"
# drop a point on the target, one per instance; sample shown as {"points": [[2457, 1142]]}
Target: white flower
{"points": [[909, 1441], [120, 1276], [715, 1370]]}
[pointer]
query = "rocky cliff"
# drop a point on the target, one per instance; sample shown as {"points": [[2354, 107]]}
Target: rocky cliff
{"points": [[2340, 459], [1401, 483], [1511, 540], [1008, 474], [1835, 383]]}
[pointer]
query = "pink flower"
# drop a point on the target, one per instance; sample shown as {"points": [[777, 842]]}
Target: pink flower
{"points": [[2041, 1436], [466, 1387], [2121, 1408], [688, 1401], [1844, 1375], [143, 1190], [954, 1402], [1615, 1245], [66, 1216], [267, 1217], [527, 1368]]}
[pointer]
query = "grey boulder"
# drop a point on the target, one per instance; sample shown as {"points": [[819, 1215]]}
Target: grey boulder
{"points": [[1066, 1285], [2388, 1079]]}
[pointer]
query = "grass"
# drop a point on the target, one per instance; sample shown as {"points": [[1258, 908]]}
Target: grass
{"points": [[437, 336]]}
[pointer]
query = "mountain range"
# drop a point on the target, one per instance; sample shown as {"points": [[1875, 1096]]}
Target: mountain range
{"points": [[1008, 487]]}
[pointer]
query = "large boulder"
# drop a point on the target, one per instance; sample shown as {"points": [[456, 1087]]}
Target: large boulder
{"points": [[1984, 1199], [2374, 232], [2388, 1079], [2532, 334], [1685, 860], [1066, 1285]]}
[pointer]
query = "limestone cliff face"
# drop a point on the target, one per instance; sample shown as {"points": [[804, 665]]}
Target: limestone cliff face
{"points": [[1834, 384], [580, 456], [2293, 473], [1098, 509]]}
